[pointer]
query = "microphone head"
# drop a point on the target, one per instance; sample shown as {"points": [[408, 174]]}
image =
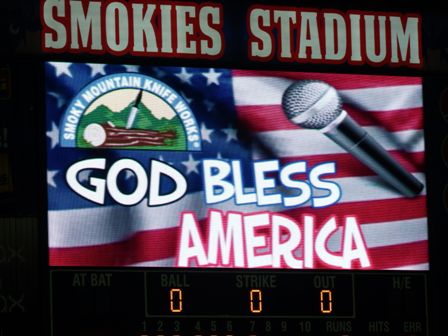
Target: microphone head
{"points": [[311, 104]]}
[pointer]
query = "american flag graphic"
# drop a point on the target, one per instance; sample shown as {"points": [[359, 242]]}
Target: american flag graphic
{"points": [[240, 118]]}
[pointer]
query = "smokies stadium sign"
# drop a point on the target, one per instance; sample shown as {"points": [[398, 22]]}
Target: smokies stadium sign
{"points": [[196, 30]]}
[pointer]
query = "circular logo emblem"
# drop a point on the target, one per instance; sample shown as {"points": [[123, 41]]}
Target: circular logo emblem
{"points": [[129, 111]]}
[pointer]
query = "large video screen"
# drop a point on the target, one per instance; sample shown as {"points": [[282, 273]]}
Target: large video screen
{"points": [[201, 167]]}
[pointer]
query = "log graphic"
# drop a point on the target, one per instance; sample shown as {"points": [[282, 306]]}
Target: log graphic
{"points": [[105, 135]]}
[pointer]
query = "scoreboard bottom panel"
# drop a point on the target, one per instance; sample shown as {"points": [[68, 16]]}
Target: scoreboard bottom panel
{"points": [[237, 302]]}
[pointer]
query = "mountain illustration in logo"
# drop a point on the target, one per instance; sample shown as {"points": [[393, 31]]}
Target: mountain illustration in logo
{"points": [[131, 119]]}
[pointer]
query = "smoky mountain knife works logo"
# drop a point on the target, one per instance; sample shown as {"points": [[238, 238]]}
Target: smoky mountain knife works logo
{"points": [[129, 111]]}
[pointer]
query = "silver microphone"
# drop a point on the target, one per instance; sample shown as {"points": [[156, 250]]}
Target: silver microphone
{"points": [[316, 105]]}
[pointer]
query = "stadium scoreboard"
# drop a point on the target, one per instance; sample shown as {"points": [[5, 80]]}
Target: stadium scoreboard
{"points": [[208, 168]]}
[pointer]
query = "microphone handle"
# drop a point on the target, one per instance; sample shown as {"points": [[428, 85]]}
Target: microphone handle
{"points": [[353, 138]]}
